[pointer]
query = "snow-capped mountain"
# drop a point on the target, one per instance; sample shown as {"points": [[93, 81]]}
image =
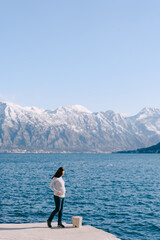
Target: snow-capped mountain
{"points": [[75, 129]]}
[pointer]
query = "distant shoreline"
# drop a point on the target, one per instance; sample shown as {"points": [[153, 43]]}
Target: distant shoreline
{"points": [[56, 152], [121, 152]]}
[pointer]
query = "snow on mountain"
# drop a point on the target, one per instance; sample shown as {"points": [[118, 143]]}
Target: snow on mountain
{"points": [[78, 108], [75, 129], [148, 123]]}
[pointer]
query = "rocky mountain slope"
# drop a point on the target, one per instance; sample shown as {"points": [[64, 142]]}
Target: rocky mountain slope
{"points": [[75, 129]]}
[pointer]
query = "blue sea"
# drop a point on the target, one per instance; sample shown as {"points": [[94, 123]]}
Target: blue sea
{"points": [[118, 193]]}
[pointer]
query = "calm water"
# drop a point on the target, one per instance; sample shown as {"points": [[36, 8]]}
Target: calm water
{"points": [[115, 192]]}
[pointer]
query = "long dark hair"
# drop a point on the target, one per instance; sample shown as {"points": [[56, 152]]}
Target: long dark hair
{"points": [[59, 172]]}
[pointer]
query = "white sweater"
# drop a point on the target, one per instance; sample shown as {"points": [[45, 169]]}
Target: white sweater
{"points": [[59, 185]]}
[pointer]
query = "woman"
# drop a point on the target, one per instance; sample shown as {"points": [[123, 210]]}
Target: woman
{"points": [[59, 195]]}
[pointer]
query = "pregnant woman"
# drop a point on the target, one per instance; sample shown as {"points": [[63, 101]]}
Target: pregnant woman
{"points": [[58, 186]]}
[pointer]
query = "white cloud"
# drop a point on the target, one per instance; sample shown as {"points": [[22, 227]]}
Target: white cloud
{"points": [[5, 98], [2, 97]]}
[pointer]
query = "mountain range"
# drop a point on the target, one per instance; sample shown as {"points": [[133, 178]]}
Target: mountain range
{"points": [[151, 149], [75, 129]]}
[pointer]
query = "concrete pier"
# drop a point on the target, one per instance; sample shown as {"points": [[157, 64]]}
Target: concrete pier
{"points": [[40, 231]]}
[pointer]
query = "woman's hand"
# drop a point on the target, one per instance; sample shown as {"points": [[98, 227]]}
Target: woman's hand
{"points": [[60, 193]]}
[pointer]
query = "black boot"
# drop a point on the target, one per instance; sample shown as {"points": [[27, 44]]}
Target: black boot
{"points": [[49, 223], [60, 225]]}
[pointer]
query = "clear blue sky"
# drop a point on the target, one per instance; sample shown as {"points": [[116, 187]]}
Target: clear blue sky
{"points": [[100, 54]]}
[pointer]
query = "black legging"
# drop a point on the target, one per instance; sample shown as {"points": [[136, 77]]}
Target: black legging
{"points": [[59, 208]]}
